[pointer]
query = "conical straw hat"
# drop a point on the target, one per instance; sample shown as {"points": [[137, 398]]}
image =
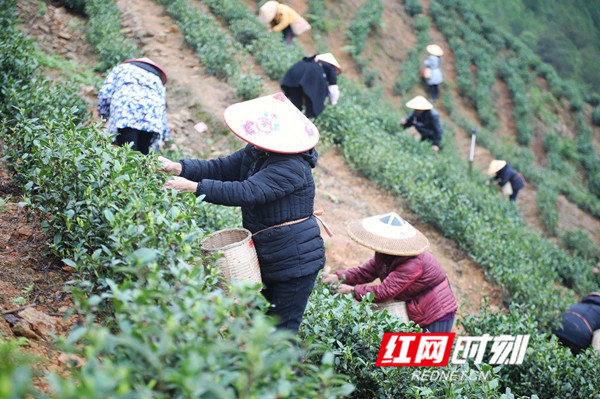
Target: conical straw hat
{"points": [[388, 234], [330, 59], [267, 12], [272, 123], [420, 103], [145, 60], [434, 49], [495, 166]]}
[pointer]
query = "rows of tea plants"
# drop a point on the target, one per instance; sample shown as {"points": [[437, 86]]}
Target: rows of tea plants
{"points": [[267, 48], [104, 31], [155, 324], [127, 278], [409, 70], [366, 20], [517, 66], [533, 270], [129, 284]]}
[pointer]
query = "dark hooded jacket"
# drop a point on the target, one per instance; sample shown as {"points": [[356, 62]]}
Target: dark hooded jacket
{"points": [[271, 189], [313, 78], [427, 124], [579, 322]]}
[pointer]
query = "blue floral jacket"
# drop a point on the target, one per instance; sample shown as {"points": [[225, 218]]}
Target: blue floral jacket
{"points": [[135, 98]]}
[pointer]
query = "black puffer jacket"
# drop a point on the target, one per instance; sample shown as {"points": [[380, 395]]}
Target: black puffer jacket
{"points": [[427, 124], [270, 188]]}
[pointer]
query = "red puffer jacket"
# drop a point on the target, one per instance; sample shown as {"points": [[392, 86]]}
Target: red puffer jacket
{"points": [[417, 280]]}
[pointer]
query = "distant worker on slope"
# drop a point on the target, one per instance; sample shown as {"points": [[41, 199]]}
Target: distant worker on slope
{"points": [[425, 119], [282, 18], [133, 98], [579, 323], [433, 70], [310, 81], [406, 270], [509, 180]]}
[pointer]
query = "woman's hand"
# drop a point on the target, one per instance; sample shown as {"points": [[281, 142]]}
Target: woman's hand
{"points": [[345, 289], [329, 278], [182, 184], [169, 166]]}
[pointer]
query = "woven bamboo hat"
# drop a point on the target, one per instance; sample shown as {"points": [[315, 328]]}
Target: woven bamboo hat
{"points": [[434, 49], [145, 60], [267, 12], [272, 123], [495, 166], [388, 234], [419, 103], [330, 59]]}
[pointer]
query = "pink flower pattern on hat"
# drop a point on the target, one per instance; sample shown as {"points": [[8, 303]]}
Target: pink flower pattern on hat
{"points": [[265, 124]]}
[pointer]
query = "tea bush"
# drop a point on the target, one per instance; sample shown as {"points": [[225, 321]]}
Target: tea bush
{"points": [[353, 331], [366, 19], [267, 48], [104, 33], [548, 370], [135, 247], [410, 69]]}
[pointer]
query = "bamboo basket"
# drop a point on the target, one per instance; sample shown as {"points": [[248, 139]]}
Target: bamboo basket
{"points": [[238, 261], [396, 308]]}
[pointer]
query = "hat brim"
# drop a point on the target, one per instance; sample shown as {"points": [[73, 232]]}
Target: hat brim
{"points": [[330, 59], [413, 246], [272, 123], [495, 167], [435, 50], [163, 74], [419, 103]]}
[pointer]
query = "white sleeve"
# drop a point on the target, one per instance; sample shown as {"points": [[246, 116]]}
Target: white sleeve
{"points": [[334, 94]]}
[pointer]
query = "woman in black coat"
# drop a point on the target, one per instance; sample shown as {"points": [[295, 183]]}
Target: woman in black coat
{"points": [[310, 81], [503, 173], [271, 180], [579, 323], [425, 119]]}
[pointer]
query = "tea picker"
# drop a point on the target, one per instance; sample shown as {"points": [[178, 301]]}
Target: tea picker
{"points": [[271, 180], [425, 119], [408, 273], [282, 18], [509, 180]]}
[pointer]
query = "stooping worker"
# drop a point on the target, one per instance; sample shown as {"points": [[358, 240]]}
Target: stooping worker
{"points": [[579, 322], [282, 18], [310, 81], [509, 180], [133, 99], [425, 119], [434, 64], [271, 180], [406, 270]]}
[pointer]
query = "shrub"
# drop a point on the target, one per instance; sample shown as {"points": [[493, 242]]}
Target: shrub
{"points": [[548, 370], [413, 7]]}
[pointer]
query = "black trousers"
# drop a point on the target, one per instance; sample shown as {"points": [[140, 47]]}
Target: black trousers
{"points": [[297, 97], [288, 300], [140, 139], [435, 92]]}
